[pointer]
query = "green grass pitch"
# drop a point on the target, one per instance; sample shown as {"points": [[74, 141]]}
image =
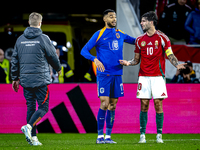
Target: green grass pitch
{"points": [[87, 142]]}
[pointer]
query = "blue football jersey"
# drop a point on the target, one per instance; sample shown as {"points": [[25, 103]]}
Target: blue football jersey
{"points": [[109, 47]]}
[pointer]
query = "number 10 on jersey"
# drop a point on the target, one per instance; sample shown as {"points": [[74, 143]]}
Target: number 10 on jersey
{"points": [[149, 50]]}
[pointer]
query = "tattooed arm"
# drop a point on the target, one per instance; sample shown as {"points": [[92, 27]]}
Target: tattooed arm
{"points": [[174, 62], [131, 62], [135, 60]]}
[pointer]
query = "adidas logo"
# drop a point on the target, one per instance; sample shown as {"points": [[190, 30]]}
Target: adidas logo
{"points": [[163, 94], [149, 43]]}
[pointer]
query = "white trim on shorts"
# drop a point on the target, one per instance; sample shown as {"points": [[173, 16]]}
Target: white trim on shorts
{"points": [[151, 86]]}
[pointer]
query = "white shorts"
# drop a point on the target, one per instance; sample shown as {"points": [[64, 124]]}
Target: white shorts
{"points": [[149, 87]]}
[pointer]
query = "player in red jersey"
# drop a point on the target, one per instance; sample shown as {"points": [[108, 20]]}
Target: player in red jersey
{"points": [[151, 48]]}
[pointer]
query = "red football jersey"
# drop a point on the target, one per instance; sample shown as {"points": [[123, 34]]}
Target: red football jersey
{"points": [[152, 50]]}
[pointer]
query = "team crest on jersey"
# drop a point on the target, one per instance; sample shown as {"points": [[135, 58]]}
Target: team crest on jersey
{"points": [[117, 35], [156, 44], [143, 43]]}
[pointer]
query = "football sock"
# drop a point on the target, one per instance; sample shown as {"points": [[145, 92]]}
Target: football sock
{"points": [[29, 114], [36, 117], [143, 122], [33, 133], [159, 122], [100, 121], [109, 122]]}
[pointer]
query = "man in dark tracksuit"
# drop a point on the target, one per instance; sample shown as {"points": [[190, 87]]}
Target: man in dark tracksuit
{"points": [[173, 19], [31, 57]]}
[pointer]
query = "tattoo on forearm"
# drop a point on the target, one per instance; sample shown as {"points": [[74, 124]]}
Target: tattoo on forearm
{"points": [[134, 61], [173, 60]]}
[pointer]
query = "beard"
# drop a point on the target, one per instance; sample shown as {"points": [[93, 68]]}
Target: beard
{"points": [[110, 25], [146, 29]]}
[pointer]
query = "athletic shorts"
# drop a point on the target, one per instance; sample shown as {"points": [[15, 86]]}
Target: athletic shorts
{"points": [[149, 87], [110, 85]]}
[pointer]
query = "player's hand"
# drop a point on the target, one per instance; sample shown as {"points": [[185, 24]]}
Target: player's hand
{"points": [[59, 72], [124, 62], [181, 66], [99, 65], [15, 85]]}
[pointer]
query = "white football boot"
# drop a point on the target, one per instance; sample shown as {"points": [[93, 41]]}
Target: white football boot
{"points": [[159, 138], [27, 132], [142, 138], [35, 141]]}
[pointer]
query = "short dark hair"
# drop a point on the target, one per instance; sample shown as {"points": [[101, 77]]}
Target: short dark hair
{"points": [[107, 11], [151, 16]]}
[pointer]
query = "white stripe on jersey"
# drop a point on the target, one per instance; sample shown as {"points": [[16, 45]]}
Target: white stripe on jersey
{"points": [[162, 34], [138, 44], [188, 6], [163, 42], [170, 5]]}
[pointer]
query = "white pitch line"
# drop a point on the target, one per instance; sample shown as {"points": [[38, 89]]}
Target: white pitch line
{"points": [[178, 140]]}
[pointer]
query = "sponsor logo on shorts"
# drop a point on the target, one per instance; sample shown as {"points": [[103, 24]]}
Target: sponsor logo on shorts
{"points": [[101, 90], [163, 94], [122, 89], [139, 86]]}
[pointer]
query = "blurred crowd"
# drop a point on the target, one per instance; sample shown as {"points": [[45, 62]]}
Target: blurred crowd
{"points": [[180, 22], [178, 19], [187, 75]]}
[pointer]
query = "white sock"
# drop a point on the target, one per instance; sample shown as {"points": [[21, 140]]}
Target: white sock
{"points": [[100, 136], [107, 137]]}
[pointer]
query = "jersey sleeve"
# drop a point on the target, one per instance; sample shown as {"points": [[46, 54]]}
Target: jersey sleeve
{"points": [[85, 52], [137, 47], [129, 39], [15, 64], [166, 45]]}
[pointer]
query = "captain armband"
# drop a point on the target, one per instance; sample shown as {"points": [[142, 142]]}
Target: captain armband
{"points": [[168, 51]]}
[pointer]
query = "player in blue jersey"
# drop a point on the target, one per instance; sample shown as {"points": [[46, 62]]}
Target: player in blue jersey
{"points": [[109, 47]]}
